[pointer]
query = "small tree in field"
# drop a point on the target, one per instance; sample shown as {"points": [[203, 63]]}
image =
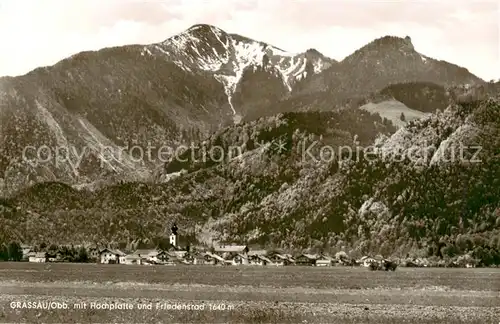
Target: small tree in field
{"points": [[402, 117], [82, 255]]}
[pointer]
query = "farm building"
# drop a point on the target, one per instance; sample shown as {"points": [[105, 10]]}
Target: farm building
{"points": [[237, 259], [214, 259], [195, 258], [366, 261], [109, 256], [306, 259], [260, 260], [226, 250], [280, 259], [149, 255], [132, 259], [179, 253], [164, 256], [198, 258], [39, 257], [324, 261]]}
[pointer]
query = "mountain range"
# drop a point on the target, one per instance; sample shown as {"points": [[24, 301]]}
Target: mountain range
{"points": [[179, 91], [215, 89]]}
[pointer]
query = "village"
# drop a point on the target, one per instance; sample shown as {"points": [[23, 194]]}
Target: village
{"points": [[219, 254], [222, 255]]}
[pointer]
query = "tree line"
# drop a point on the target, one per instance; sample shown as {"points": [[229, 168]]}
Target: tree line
{"points": [[12, 251]]}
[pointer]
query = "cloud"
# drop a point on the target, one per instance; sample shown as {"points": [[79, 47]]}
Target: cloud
{"points": [[36, 33]]}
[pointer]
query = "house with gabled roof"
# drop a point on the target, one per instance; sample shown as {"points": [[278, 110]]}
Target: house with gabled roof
{"points": [[198, 258], [306, 259], [163, 257], [214, 259], [132, 259], [237, 259], [279, 259], [260, 260], [111, 256], [324, 261], [148, 254]]}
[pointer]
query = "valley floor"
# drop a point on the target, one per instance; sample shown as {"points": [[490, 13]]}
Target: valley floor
{"points": [[248, 294]]}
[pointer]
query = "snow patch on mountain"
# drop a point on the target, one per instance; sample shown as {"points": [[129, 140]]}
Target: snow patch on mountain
{"points": [[227, 56], [145, 51], [318, 66], [295, 68], [245, 54], [229, 82]]}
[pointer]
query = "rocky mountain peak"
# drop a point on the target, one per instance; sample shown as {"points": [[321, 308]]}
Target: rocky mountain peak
{"points": [[313, 51], [201, 41], [391, 43], [208, 34], [314, 54], [203, 27], [231, 57]]}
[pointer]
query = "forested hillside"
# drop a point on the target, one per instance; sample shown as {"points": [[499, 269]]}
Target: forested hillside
{"points": [[407, 194]]}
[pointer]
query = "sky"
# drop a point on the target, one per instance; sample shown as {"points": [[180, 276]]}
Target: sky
{"points": [[37, 33]]}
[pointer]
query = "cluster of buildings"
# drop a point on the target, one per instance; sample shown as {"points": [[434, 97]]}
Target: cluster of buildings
{"points": [[217, 255], [227, 255], [221, 255]]}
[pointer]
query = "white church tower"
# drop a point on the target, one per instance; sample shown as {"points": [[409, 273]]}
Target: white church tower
{"points": [[173, 236]]}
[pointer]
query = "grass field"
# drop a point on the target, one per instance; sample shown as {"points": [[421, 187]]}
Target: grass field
{"points": [[249, 294], [392, 109]]}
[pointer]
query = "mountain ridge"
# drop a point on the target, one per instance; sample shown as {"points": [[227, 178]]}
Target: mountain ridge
{"points": [[168, 94]]}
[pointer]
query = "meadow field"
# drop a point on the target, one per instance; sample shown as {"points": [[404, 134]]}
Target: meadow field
{"points": [[209, 294]]}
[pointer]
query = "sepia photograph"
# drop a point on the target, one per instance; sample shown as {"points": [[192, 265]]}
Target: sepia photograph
{"points": [[250, 161]]}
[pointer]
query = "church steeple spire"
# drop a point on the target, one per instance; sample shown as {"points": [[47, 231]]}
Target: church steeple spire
{"points": [[173, 236]]}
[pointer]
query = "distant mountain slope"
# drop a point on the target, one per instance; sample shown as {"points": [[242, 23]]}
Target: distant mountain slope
{"points": [[114, 104], [422, 96], [412, 193], [98, 103], [209, 190], [385, 61]]}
